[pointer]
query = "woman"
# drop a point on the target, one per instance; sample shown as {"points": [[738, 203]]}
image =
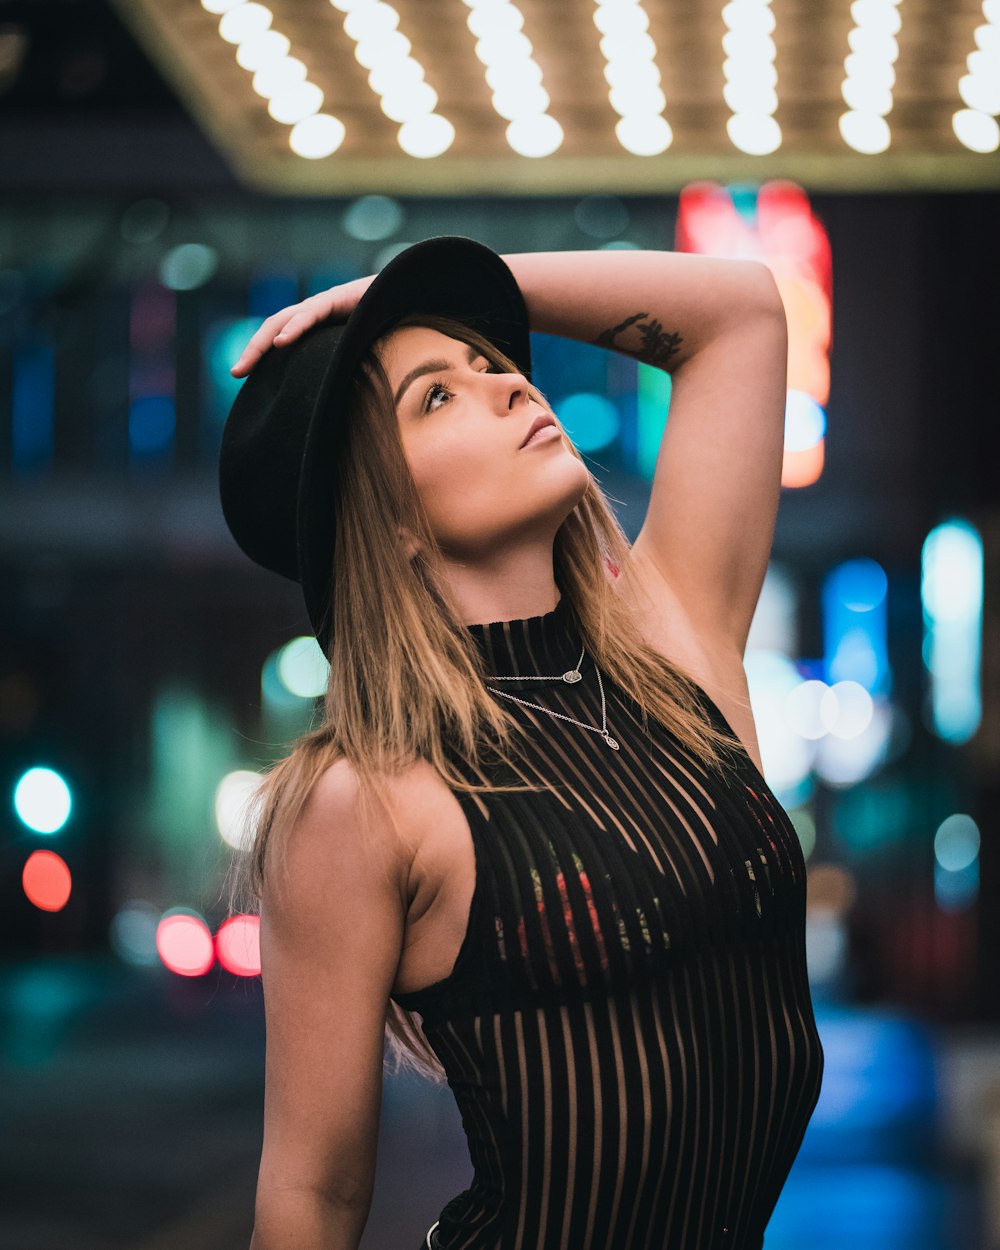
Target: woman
{"points": [[533, 813]]}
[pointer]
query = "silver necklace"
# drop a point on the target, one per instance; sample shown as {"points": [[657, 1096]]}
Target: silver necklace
{"points": [[572, 675]]}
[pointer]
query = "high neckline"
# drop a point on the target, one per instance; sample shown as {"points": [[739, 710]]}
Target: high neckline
{"points": [[547, 645]]}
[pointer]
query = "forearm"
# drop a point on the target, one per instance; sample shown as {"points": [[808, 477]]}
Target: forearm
{"points": [[661, 307], [291, 1219]]}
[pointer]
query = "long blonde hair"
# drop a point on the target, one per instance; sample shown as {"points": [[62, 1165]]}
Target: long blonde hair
{"points": [[405, 675]]}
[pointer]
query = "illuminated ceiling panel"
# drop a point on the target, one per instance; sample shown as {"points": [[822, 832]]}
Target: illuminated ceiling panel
{"points": [[811, 39]]}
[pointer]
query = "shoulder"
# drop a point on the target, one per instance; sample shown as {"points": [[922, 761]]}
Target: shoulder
{"points": [[335, 830], [408, 803], [338, 795]]}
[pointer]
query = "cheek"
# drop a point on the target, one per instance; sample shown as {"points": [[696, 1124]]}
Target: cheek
{"points": [[448, 466]]}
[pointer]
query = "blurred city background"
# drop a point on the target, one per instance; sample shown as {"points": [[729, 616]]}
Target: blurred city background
{"points": [[173, 172]]}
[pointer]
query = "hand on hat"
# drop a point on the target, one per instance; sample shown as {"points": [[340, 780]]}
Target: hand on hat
{"points": [[284, 327]]}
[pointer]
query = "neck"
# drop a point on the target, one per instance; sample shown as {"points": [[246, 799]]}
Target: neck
{"points": [[542, 644], [511, 588]]}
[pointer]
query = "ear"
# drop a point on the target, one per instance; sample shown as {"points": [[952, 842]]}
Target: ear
{"points": [[410, 542]]}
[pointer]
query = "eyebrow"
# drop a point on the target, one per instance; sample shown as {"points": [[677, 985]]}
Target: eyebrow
{"points": [[432, 366]]}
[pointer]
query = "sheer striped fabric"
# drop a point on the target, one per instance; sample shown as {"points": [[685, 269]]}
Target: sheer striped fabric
{"points": [[627, 1030]]}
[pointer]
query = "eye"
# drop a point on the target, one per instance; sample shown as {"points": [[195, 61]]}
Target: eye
{"points": [[433, 391]]}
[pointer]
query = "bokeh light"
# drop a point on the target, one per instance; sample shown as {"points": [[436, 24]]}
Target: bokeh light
{"points": [[244, 21], [303, 668], [372, 217], [184, 943], [188, 266], [42, 800], [237, 945], [132, 933], [317, 136], [591, 420], [46, 880], [956, 843], [601, 216], [535, 135], [426, 137], [233, 807]]}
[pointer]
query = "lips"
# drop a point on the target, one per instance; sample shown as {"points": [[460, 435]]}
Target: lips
{"points": [[539, 423]]}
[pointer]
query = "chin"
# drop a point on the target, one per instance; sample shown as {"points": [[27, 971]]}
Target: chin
{"points": [[573, 485]]}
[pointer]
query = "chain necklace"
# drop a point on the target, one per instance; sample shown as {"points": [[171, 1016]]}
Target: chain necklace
{"points": [[573, 675]]}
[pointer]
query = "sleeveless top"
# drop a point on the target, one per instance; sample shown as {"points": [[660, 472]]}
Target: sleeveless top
{"points": [[627, 1029]]}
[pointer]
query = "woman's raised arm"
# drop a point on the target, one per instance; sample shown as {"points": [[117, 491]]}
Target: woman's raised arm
{"points": [[660, 307]]}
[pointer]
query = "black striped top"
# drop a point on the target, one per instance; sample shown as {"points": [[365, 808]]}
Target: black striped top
{"points": [[628, 1030]]}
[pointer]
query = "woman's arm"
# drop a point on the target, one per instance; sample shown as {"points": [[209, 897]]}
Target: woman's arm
{"points": [[660, 307], [718, 327], [333, 918], [302, 1219]]}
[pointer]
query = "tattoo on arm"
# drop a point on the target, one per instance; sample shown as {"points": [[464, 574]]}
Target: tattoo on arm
{"points": [[657, 347]]}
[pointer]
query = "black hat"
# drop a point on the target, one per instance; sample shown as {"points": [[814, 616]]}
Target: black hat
{"points": [[284, 432]]}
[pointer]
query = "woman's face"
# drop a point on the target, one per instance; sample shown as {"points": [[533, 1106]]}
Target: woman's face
{"points": [[462, 424]]}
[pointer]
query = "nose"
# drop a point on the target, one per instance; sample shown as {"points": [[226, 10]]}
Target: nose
{"points": [[512, 388]]}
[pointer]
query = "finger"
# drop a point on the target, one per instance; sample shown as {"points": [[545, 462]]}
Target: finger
{"points": [[259, 343], [249, 357], [295, 326], [284, 327]]}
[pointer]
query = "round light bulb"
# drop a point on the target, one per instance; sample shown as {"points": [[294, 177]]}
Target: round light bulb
{"points": [[395, 76], [976, 131], [278, 76], [867, 97], [621, 21], [864, 132], [263, 49], [982, 94], [644, 134], [754, 133], [489, 22], [750, 97], [317, 136], [520, 102], [372, 21], [295, 103], [426, 136], [626, 99], [383, 50], [535, 136], [243, 22], [409, 102]]}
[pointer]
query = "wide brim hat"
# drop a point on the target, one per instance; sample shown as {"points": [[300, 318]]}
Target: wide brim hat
{"points": [[286, 429]]}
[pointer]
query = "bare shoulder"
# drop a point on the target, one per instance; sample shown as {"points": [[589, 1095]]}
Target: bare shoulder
{"points": [[418, 813], [335, 832]]}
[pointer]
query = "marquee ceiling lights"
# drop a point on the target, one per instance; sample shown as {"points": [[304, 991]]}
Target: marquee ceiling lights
{"points": [[519, 95], [396, 76], [751, 76], [566, 96]]}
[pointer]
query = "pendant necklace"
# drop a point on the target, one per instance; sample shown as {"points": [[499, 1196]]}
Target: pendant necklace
{"points": [[573, 675]]}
